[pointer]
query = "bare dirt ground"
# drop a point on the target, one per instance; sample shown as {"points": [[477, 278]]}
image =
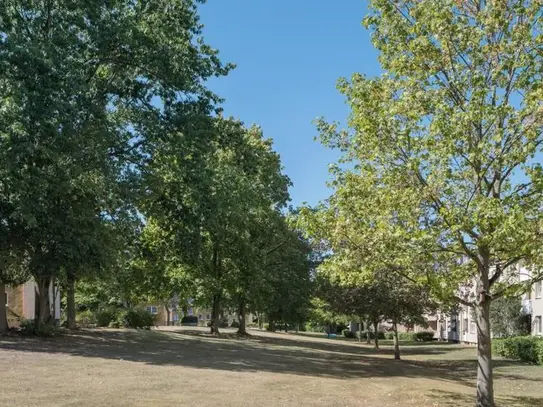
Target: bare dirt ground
{"points": [[187, 367]]}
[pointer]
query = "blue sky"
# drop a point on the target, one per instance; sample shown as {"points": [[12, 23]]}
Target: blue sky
{"points": [[289, 55]]}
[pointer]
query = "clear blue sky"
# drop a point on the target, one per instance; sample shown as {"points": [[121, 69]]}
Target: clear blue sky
{"points": [[289, 55]]}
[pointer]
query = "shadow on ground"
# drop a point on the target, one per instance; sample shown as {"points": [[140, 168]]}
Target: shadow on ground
{"points": [[451, 399], [288, 354]]}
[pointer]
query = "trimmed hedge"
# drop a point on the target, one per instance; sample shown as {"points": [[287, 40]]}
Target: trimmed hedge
{"points": [[423, 336], [524, 348]]}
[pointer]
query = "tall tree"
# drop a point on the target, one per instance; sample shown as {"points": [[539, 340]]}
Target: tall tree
{"points": [[89, 90], [446, 145]]}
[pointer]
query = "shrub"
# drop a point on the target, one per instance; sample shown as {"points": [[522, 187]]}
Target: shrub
{"points": [[105, 316], [136, 318], [30, 327], [267, 327], [252, 325], [114, 324], [525, 348], [85, 319], [406, 336], [189, 319], [348, 334], [223, 323], [424, 336], [380, 335], [389, 335], [234, 324]]}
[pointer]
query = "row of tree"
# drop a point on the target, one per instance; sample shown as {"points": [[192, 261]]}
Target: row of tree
{"points": [[118, 170], [441, 180]]}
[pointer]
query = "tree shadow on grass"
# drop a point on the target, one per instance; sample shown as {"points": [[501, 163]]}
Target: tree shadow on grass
{"points": [[265, 353], [451, 399]]}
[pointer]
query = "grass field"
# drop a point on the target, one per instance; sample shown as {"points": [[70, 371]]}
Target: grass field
{"points": [[187, 367]]}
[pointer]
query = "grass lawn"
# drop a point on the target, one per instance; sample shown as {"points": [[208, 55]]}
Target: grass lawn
{"points": [[186, 367]]}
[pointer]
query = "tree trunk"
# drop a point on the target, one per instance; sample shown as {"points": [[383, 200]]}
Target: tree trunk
{"points": [[215, 314], [44, 306], [485, 386], [360, 330], [168, 315], [375, 327], [3, 309], [368, 339], [241, 316], [396, 341], [70, 302]]}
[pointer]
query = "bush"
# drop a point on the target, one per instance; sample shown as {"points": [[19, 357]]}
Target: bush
{"points": [[380, 335], [348, 334], [406, 336], [85, 319], [189, 320], [136, 318], [234, 324], [30, 327], [252, 325], [389, 336], [525, 348], [424, 336], [105, 316], [223, 323], [114, 324], [267, 327]]}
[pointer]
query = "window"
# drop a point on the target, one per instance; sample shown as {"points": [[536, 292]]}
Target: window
{"points": [[538, 289], [200, 317], [153, 309], [208, 316], [472, 327], [465, 327], [538, 328]]}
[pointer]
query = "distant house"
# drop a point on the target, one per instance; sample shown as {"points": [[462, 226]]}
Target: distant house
{"points": [[21, 302], [161, 315]]}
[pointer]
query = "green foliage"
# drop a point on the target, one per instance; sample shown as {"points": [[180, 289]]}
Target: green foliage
{"points": [[30, 327], [424, 336], [234, 324], [508, 318], [86, 319], [348, 334], [389, 336], [525, 348], [364, 334], [104, 317], [137, 318]]}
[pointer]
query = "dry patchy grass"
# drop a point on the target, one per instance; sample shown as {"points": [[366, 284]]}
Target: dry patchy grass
{"points": [[187, 367]]}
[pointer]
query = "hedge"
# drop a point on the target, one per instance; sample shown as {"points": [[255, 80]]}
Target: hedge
{"points": [[380, 335], [524, 348]]}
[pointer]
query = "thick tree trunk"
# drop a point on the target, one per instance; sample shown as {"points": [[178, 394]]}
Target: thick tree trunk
{"points": [[215, 314], [368, 338], [396, 341], [3, 309], [360, 330], [241, 317], [44, 306], [70, 302], [485, 386], [375, 327]]}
